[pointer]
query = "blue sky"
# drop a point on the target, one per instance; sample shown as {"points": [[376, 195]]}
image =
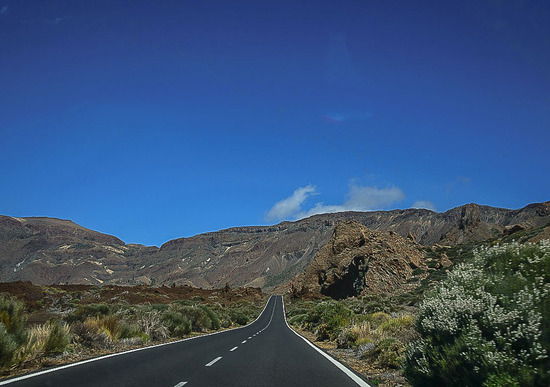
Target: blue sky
{"points": [[156, 120]]}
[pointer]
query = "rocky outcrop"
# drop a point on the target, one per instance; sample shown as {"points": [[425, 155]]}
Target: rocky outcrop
{"points": [[48, 250], [444, 262], [513, 228], [357, 260]]}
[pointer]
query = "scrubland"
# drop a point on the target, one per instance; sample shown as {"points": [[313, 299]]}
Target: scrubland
{"points": [[483, 322], [68, 329]]}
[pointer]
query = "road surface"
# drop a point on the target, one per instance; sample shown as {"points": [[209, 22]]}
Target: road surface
{"points": [[264, 353]]}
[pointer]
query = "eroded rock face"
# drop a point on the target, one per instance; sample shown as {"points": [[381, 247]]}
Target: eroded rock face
{"points": [[508, 230], [48, 250], [357, 260], [348, 282]]}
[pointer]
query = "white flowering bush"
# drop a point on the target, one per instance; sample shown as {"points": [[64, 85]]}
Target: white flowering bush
{"points": [[488, 322]]}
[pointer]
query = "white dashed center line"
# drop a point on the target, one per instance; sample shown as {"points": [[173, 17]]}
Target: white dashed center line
{"points": [[244, 341], [180, 384], [213, 361], [232, 349]]}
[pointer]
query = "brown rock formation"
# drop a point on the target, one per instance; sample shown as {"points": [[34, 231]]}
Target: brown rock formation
{"points": [[358, 260]]}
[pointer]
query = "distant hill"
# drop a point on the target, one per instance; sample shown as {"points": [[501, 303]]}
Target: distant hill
{"points": [[55, 251]]}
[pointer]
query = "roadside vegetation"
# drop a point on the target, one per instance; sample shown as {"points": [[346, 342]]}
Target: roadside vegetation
{"points": [[357, 327], [488, 322], [86, 330], [484, 322]]}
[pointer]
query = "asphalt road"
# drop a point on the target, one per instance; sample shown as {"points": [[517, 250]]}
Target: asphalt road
{"points": [[265, 353]]}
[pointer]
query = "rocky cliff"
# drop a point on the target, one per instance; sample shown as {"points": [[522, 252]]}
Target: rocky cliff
{"points": [[47, 250], [357, 260]]}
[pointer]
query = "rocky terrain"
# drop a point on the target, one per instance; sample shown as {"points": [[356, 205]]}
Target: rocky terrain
{"points": [[357, 260], [54, 251], [47, 302]]}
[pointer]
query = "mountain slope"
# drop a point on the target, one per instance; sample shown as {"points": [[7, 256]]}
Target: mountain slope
{"points": [[48, 250]]}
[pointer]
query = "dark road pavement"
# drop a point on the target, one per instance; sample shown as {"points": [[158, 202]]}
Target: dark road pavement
{"points": [[265, 353]]}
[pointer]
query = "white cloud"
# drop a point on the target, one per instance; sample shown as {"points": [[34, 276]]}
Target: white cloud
{"points": [[426, 204], [358, 198], [286, 208]]}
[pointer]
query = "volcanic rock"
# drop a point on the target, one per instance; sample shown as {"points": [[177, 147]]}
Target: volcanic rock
{"points": [[357, 260]]}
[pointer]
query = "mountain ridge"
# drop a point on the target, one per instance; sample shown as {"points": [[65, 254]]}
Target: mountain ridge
{"points": [[51, 250]]}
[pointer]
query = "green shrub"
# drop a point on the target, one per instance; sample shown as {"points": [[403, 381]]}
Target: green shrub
{"points": [[372, 303], [377, 318], [160, 307], [214, 319], [58, 339], [325, 318], [199, 318], [299, 308], [238, 316], [12, 329], [82, 312], [8, 346], [328, 317], [177, 324], [297, 319], [387, 353], [487, 323], [396, 326], [13, 318], [347, 338], [113, 326], [500, 380], [128, 330], [44, 339], [379, 337], [89, 336]]}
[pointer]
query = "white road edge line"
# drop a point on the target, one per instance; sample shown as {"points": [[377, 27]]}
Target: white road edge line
{"points": [[232, 349], [340, 366], [213, 361], [19, 378], [180, 384]]}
